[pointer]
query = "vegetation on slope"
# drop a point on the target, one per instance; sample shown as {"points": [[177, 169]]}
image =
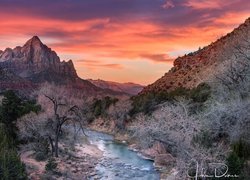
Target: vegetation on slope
{"points": [[147, 103], [11, 109], [100, 106]]}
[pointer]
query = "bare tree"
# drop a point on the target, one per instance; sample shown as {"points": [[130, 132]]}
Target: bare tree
{"points": [[59, 119], [119, 113], [58, 110], [235, 72]]}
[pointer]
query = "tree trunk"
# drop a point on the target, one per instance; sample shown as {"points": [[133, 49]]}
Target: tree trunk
{"points": [[56, 144], [52, 146], [57, 133]]}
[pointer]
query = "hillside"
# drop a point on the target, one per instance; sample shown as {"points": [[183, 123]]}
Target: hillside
{"points": [[129, 88], [202, 65]]}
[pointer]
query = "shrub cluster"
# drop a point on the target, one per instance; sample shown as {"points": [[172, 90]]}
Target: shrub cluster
{"points": [[100, 106], [12, 108], [146, 102], [237, 159], [51, 165]]}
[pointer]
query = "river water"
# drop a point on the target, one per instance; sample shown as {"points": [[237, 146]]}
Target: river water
{"points": [[118, 162]]}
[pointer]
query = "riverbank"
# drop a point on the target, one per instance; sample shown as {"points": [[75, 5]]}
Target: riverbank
{"points": [[164, 162], [99, 156], [73, 163], [118, 161]]}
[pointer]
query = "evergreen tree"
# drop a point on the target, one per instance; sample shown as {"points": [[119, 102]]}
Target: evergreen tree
{"points": [[10, 111], [11, 166]]}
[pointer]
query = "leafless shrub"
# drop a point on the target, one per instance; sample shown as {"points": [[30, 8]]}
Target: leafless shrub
{"points": [[228, 119], [234, 74], [119, 113]]}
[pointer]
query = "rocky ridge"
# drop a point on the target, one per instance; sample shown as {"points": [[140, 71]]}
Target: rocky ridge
{"points": [[129, 88], [192, 69]]}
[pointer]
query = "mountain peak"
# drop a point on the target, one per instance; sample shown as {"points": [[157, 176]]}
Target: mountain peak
{"points": [[35, 38], [36, 59], [34, 41]]}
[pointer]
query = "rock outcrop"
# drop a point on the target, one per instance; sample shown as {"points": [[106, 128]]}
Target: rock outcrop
{"points": [[35, 58]]}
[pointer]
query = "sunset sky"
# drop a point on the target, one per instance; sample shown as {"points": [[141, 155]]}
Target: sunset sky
{"points": [[120, 40]]}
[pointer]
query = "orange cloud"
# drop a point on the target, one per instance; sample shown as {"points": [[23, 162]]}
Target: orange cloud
{"points": [[163, 58], [231, 19], [93, 64], [120, 50]]}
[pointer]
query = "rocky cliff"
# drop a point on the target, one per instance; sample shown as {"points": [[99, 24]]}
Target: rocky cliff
{"points": [[33, 60], [34, 63], [202, 65]]}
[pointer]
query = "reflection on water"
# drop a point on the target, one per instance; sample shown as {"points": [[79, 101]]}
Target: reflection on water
{"points": [[119, 162]]}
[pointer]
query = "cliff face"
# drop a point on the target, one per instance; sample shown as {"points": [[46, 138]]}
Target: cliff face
{"points": [[28, 67], [35, 58], [8, 80], [202, 65]]}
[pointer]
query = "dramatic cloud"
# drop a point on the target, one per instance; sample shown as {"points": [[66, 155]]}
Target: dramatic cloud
{"points": [[122, 38]]}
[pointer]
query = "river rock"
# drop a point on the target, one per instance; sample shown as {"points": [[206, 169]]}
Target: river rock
{"points": [[166, 160], [93, 174]]}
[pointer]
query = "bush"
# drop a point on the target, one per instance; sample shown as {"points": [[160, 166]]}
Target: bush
{"points": [[41, 149], [179, 92], [13, 107], [201, 93], [11, 166], [203, 139], [237, 158], [146, 102], [40, 156], [241, 149], [234, 163], [100, 106], [51, 165]]}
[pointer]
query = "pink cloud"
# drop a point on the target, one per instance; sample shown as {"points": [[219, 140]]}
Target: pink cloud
{"points": [[206, 4], [168, 4]]}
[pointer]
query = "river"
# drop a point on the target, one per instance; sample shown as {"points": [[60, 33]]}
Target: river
{"points": [[118, 161]]}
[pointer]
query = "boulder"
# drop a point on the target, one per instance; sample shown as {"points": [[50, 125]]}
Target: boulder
{"points": [[156, 149]]}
